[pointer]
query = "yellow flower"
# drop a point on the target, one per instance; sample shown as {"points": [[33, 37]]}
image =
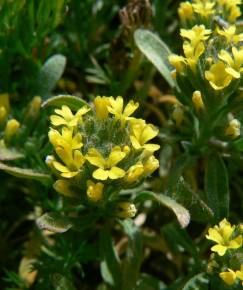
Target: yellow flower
{"points": [[95, 190], [196, 35], [197, 100], [126, 210], [234, 14], [64, 187], [204, 8], [239, 273], [65, 139], [11, 129], [193, 53], [107, 166], [233, 129], [228, 277], [151, 165], [234, 64], [116, 108], [222, 236], [66, 117], [141, 134], [134, 172], [101, 107], [73, 162], [185, 11], [177, 61], [230, 34], [217, 76]]}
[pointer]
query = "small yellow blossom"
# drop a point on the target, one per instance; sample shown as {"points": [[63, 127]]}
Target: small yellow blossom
{"points": [[94, 190], [107, 166], [230, 34], [73, 162], [233, 129], [196, 35], [151, 165], [228, 277], [66, 117], [120, 113], [64, 187], [177, 61], [204, 8], [185, 11], [141, 134], [101, 107], [217, 76], [197, 100], [222, 236], [65, 139], [134, 172], [235, 63], [126, 210]]}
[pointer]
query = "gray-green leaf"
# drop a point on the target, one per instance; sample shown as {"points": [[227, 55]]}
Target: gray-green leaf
{"points": [[54, 222]]}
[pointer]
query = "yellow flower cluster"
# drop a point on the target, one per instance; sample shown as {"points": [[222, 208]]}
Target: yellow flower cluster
{"points": [[101, 149], [227, 237], [204, 10]]}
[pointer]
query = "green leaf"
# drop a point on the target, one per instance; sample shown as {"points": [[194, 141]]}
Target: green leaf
{"points": [[181, 213], [49, 74], [238, 145], [217, 187], [133, 260], [111, 265], [156, 51], [54, 222], [73, 102], [9, 154], [61, 283], [198, 282], [24, 173], [148, 282]]}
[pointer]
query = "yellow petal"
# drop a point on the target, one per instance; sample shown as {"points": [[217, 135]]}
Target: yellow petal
{"points": [[57, 120], [151, 147], [115, 156], [116, 173], [101, 174], [95, 158], [221, 250], [130, 108], [228, 277]]}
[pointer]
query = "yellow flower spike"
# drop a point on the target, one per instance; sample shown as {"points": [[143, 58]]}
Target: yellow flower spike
{"points": [[3, 114], [230, 34], [178, 62], [126, 210], [228, 277], [196, 35], [116, 108], [204, 8], [65, 139], [66, 117], [222, 236], [94, 190], [134, 172], [73, 162], [235, 63], [101, 107], [64, 187], [233, 129], [11, 129], [151, 165], [4, 101], [185, 11], [198, 101], [217, 76], [141, 134], [178, 114], [107, 166]]}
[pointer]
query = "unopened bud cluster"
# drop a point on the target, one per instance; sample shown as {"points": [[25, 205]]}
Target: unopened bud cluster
{"points": [[100, 150]]}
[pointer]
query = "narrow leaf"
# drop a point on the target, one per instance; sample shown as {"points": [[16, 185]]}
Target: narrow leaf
{"points": [[73, 102], [24, 173], [181, 213], [156, 51], [217, 187], [54, 222], [50, 73]]}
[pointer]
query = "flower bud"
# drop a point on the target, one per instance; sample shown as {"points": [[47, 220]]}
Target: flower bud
{"points": [[11, 129], [198, 101], [126, 210], [64, 187], [95, 190], [233, 129], [34, 108], [178, 114]]}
